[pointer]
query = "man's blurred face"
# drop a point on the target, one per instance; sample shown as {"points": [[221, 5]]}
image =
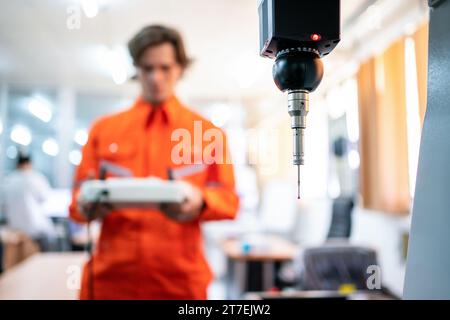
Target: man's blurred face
{"points": [[158, 72], [25, 166]]}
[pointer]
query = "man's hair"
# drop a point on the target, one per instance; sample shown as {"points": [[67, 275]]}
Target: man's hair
{"points": [[22, 159], [154, 35]]}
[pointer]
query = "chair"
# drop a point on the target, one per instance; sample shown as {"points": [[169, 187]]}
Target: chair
{"points": [[341, 219], [330, 266]]}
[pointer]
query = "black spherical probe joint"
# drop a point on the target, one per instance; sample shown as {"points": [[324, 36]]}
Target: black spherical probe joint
{"points": [[298, 71]]}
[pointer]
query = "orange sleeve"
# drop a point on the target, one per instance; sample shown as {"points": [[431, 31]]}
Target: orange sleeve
{"points": [[88, 169], [219, 195]]}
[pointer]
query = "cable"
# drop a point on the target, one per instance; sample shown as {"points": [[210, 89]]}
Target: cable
{"points": [[90, 265], [90, 241]]}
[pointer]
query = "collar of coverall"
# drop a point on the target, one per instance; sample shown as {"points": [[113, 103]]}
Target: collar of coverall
{"points": [[149, 112]]}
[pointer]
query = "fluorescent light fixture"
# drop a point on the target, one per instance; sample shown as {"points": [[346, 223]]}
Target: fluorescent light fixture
{"points": [[90, 7], [352, 117], [117, 68], [21, 135], [40, 109], [81, 137], [75, 157], [50, 147], [353, 159], [115, 61], [337, 102], [334, 188], [1, 126]]}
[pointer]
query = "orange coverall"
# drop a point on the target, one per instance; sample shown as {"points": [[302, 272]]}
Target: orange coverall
{"points": [[141, 253]]}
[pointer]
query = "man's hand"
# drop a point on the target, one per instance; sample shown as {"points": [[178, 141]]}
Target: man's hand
{"points": [[188, 210], [92, 211]]}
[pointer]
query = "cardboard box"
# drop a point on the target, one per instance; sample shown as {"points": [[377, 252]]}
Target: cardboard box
{"points": [[16, 247]]}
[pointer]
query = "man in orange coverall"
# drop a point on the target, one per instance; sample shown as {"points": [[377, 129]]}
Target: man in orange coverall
{"points": [[150, 253]]}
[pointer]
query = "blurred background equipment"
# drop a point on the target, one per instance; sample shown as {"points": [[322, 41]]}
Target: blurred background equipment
{"points": [[341, 218], [334, 267]]}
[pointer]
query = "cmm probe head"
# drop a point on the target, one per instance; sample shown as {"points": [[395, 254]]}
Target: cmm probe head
{"points": [[297, 34]]}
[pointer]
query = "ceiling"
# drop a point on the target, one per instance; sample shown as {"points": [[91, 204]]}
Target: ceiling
{"points": [[37, 47]]}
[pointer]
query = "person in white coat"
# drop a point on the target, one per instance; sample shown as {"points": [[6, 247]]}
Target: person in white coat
{"points": [[24, 193]]}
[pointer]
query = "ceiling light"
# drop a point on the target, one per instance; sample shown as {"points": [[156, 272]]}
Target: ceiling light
{"points": [[21, 135], [81, 137], [90, 7], [40, 109], [50, 147], [75, 157]]}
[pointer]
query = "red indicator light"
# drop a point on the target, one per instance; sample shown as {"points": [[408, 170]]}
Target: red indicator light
{"points": [[316, 37]]}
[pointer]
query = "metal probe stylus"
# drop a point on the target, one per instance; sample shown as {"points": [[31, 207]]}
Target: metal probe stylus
{"points": [[298, 107]]}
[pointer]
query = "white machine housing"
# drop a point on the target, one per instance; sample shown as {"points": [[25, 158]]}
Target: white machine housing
{"points": [[134, 192]]}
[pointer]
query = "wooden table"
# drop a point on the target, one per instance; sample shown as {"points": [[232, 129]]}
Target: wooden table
{"points": [[44, 276], [272, 251]]}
